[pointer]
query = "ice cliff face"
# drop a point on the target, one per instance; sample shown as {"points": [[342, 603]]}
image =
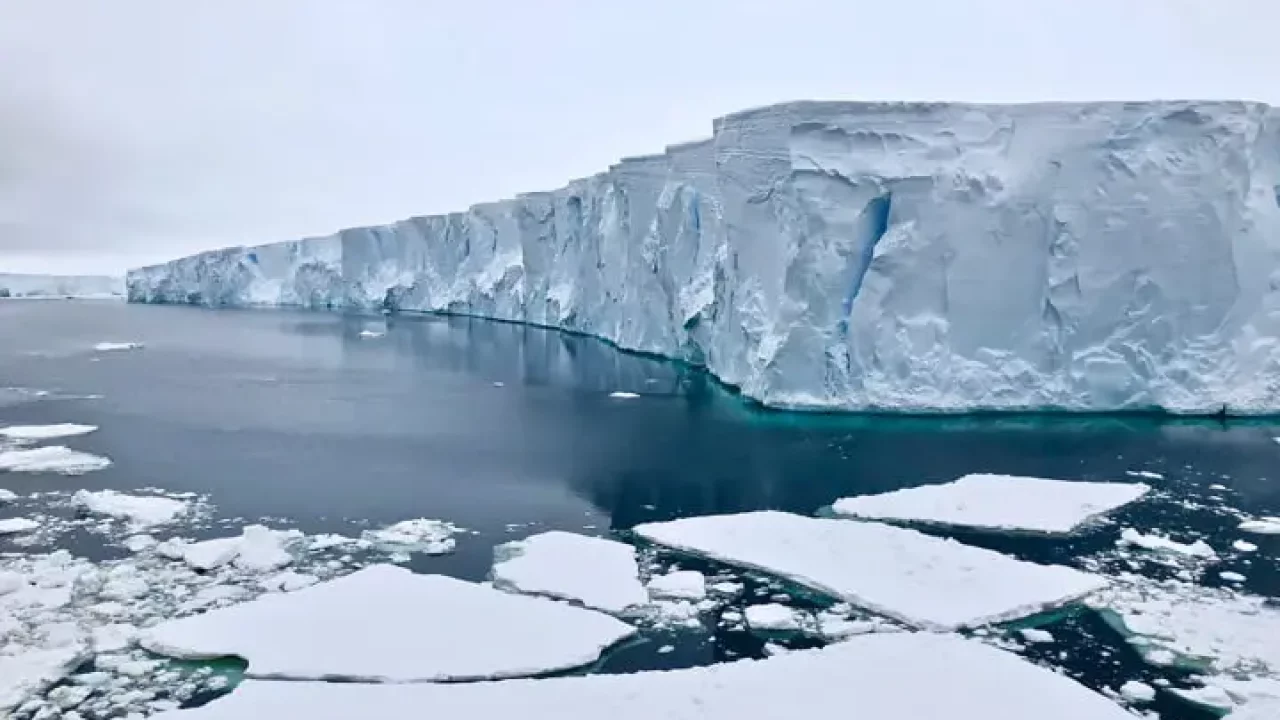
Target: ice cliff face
{"points": [[77, 286], [853, 256]]}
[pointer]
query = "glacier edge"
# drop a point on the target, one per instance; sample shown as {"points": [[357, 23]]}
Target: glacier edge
{"points": [[918, 257]]}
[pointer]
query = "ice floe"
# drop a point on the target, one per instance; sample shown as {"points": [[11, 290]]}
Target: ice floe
{"points": [[679, 585], [117, 346], [1137, 692], [140, 511], [595, 572], [1161, 544], [1244, 546], [1263, 526], [429, 537], [1001, 503], [386, 624], [257, 548], [13, 526], [1144, 474], [924, 581], [772, 617], [36, 433], [51, 459], [876, 676], [28, 672], [7, 496], [623, 395]]}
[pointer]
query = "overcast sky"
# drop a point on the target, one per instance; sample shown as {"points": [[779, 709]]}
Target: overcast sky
{"points": [[135, 131]]}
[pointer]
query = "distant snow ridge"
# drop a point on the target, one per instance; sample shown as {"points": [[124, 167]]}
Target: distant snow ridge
{"points": [[853, 256]]}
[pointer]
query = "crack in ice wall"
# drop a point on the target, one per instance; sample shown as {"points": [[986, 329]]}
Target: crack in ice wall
{"points": [[867, 256]]}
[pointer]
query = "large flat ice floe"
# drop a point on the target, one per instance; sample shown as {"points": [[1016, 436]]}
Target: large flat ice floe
{"points": [[34, 433], [920, 580], [903, 676], [1001, 503], [386, 624], [596, 572], [51, 459], [140, 511], [858, 256]]}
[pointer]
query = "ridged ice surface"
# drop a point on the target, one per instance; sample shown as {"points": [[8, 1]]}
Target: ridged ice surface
{"points": [[916, 257]]}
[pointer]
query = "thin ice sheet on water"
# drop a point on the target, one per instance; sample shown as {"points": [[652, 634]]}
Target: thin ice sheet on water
{"points": [[1001, 503], [875, 676], [386, 624], [36, 433], [51, 459], [140, 511], [923, 581], [596, 572]]}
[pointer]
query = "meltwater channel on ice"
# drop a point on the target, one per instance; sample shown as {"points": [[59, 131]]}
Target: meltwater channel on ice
{"points": [[867, 256]]}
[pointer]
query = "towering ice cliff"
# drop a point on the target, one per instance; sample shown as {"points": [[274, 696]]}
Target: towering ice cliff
{"points": [[855, 256]]}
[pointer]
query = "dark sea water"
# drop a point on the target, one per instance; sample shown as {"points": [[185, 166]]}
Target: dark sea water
{"points": [[508, 430]]}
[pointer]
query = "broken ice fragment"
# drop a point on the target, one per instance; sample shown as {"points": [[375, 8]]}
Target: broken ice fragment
{"points": [[679, 585], [596, 572]]}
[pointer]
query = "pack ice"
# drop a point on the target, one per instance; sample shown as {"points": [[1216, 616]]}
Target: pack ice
{"points": [[924, 581], [386, 624], [835, 255], [874, 676]]}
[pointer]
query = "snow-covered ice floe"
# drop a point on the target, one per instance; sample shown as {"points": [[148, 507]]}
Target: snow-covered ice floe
{"points": [[1162, 544], [875, 676], [117, 346], [140, 511], [902, 574], [430, 537], [13, 526], [35, 433], [1261, 526], [51, 459], [28, 672], [257, 548], [1000, 503], [387, 624], [595, 572], [679, 585]]}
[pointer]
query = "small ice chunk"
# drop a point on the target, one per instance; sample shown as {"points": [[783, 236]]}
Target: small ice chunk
{"points": [[596, 572], [430, 537], [386, 624], [1244, 546], [13, 526], [29, 672], [1144, 474], [140, 511], [7, 496], [1209, 696], [258, 549], [666, 649], [726, 587], [1000, 503], [1233, 577], [139, 543], [622, 395], [772, 617], [920, 580], [1159, 543], [36, 433], [679, 585], [1035, 636], [210, 554], [117, 346], [328, 541], [372, 334], [874, 676], [1137, 692], [51, 459], [1265, 526]]}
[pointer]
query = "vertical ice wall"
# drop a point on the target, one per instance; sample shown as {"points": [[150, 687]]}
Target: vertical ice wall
{"points": [[931, 257]]}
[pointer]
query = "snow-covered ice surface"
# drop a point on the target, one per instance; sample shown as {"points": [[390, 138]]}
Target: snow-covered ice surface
{"points": [[28, 672], [997, 502], [854, 256], [257, 548], [1160, 543], [1261, 526], [679, 585], [772, 617], [430, 537], [386, 624], [878, 675], [51, 459], [35, 433], [902, 574], [11, 526], [140, 511], [596, 572], [117, 346]]}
